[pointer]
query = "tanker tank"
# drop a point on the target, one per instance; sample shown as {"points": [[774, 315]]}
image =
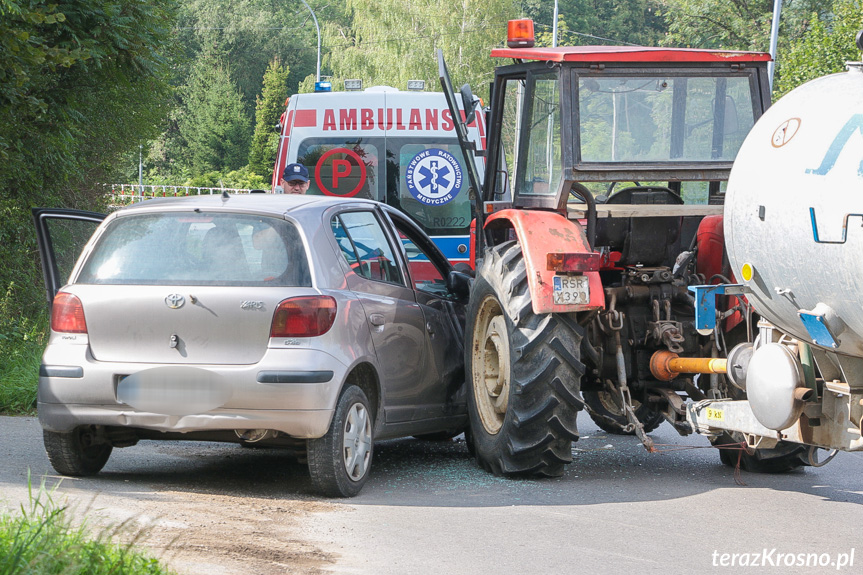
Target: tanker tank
{"points": [[794, 209]]}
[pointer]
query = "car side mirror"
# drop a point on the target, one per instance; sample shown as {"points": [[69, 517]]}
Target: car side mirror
{"points": [[459, 284], [468, 103]]}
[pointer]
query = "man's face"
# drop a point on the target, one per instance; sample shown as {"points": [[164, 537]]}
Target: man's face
{"points": [[295, 186]]}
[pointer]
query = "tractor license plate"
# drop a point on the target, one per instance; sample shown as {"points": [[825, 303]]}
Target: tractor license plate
{"points": [[571, 290]]}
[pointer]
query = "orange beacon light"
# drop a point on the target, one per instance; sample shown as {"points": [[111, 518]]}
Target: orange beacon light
{"points": [[519, 33]]}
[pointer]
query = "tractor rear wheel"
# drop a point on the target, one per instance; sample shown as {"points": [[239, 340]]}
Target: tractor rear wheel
{"points": [[780, 459], [524, 372]]}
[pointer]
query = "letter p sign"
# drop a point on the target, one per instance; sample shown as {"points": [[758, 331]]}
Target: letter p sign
{"points": [[341, 169], [340, 172]]}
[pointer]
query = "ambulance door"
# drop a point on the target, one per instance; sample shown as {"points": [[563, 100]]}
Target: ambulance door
{"points": [[339, 138], [282, 154]]}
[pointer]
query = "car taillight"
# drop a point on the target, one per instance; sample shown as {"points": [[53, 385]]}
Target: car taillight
{"points": [[306, 316], [67, 314]]}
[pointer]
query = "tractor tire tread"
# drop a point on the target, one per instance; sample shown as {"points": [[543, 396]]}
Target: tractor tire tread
{"points": [[540, 422]]}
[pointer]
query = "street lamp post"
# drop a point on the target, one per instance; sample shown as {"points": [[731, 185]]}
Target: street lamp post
{"points": [[774, 40], [141, 169], [318, 28], [554, 27]]}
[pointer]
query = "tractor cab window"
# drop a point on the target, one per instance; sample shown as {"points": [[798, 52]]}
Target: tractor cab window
{"points": [[513, 99], [629, 118], [542, 171]]}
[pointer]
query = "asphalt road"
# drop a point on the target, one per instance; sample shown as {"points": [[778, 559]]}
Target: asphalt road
{"points": [[427, 508]]}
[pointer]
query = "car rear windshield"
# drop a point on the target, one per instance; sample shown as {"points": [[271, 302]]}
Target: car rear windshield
{"points": [[198, 248]]}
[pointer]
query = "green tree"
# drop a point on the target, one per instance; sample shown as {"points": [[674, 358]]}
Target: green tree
{"points": [[734, 24], [66, 68], [214, 124], [250, 34], [824, 48], [82, 82], [600, 21], [271, 104], [392, 41]]}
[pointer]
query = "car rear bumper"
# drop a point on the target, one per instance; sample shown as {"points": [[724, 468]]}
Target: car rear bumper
{"points": [[293, 391], [295, 423]]}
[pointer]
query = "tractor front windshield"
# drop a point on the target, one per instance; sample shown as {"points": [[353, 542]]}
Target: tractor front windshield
{"points": [[663, 118]]}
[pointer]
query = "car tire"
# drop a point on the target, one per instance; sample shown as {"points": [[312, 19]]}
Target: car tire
{"points": [[523, 370], [608, 416], [339, 462], [78, 453]]}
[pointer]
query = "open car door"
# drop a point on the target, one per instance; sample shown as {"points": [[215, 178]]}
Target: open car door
{"points": [[61, 235]]}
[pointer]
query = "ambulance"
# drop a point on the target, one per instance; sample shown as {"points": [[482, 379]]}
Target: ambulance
{"points": [[390, 145]]}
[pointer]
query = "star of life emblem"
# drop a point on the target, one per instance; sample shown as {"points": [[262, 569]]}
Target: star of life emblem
{"points": [[434, 177]]}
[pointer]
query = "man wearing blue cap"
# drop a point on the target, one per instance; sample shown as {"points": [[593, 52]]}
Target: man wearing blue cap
{"points": [[295, 179]]}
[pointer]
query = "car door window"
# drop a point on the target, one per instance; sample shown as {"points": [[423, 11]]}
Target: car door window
{"points": [[364, 244], [61, 235], [425, 275], [428, 274]]}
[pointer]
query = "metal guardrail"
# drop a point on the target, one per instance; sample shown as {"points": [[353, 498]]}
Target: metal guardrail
{"points": [[130, 193]]}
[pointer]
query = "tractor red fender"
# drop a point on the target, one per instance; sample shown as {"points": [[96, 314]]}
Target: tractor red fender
{"points": [[540, 234]]}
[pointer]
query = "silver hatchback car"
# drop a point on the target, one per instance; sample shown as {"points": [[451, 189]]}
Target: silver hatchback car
{"points": [[319, 324]]}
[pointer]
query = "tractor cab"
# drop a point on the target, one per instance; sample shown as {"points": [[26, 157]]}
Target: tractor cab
{"points": [[591, 131], [663, 124]]}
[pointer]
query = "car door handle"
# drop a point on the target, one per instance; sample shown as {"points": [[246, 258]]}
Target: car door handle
{"points": [[430, 328], [377, 319]]}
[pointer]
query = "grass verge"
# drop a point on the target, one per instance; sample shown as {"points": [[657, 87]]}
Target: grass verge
{"points": [[19, 378], [22, 341], [42, 540]]}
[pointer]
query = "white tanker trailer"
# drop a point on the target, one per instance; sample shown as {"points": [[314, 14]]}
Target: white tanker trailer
{"points": [[793, 214]]}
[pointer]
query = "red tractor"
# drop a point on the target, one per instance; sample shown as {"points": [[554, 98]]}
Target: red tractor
{"points": [[616, 159]]}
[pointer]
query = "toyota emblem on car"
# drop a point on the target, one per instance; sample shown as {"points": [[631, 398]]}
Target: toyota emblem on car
{"points": [[175, 301]]}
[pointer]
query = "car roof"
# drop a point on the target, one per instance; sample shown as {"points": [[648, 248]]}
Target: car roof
{"points": [[645, 54], [280, 204]]}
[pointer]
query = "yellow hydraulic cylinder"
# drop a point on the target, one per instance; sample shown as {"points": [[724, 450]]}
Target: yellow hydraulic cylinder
{"points": [[665, 365]]}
